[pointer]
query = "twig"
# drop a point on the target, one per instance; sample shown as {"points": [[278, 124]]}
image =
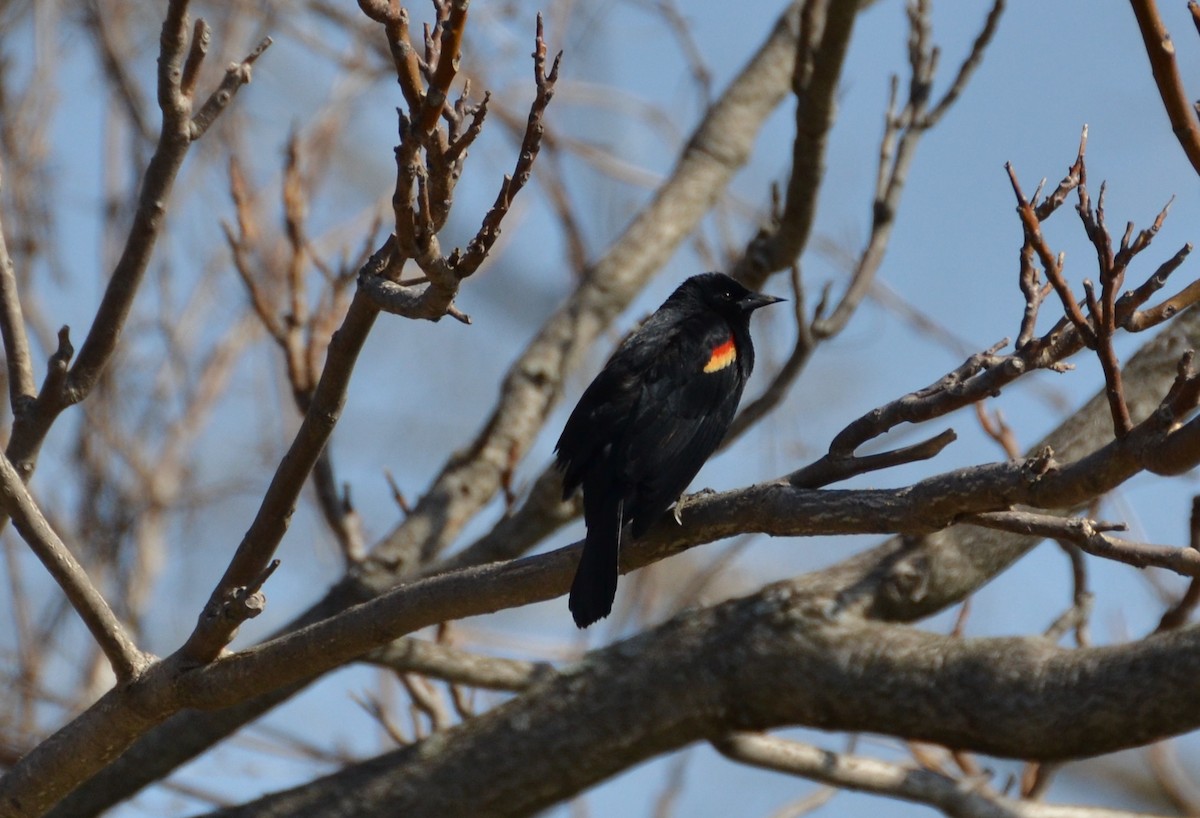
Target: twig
{"points": [[447, 65], [1091, 536], [817, 67], [123, 655], [1144, 319], [902, 134], [835, 467], [1036, 779], [21, 389], [442, 661], [426, 701], [969, 65], [956, 389], [478, 247], [806, 804], [1076, 617], [376, 710], [237, 76], [1051, 264], [995, 427]]}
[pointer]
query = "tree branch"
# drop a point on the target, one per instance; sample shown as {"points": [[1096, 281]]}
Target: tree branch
{"points": [[783, 657], [955, 797], [1161, 53], [123, 655], [21, 388]]}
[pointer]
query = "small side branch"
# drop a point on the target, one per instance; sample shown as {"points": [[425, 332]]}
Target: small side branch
{"points": [[452, 664], [833, 468], [957, 797], [1161, 53], [123, 655], [489, 231], [1092, 536], [21, 388]]}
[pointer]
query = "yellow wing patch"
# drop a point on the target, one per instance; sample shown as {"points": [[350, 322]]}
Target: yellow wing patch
{"points": [[722, 356]]}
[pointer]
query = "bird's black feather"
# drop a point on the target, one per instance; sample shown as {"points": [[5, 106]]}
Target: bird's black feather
{"points": [[651, 418]]}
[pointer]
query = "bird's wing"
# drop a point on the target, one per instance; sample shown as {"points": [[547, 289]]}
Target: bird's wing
{"points": [[680, 417]]}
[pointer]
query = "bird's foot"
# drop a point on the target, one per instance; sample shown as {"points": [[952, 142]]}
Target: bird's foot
{"points": [[687, 500]]}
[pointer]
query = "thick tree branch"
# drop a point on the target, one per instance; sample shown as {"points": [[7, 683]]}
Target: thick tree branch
{"points": [[779, 657]]}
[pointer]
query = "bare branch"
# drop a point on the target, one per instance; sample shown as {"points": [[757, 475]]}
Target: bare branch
{"points": [[1091, 537], [955, 693], [218, 623], [960, 798], [1161, 53], [481, 244], [833, 468], [21, 389], [456, 665], [127, 661]]}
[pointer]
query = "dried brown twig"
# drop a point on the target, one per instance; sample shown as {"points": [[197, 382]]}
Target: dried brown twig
{"points": [[986, 373], [1104, 313], [276, 282], [430, 159]]}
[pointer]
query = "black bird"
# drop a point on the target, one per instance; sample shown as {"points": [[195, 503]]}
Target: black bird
{"points": [[646, 424]]}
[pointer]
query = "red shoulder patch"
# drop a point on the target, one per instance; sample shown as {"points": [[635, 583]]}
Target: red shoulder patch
{"points": [[722, 356]]}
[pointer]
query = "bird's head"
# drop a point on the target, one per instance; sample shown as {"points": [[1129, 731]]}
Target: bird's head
{"points": [[725, 295]]}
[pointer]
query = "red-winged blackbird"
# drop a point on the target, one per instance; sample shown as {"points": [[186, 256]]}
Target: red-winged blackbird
{"points": [[650, 419]]}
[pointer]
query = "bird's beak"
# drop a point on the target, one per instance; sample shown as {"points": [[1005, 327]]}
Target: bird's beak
{"points": [[755, 300]]}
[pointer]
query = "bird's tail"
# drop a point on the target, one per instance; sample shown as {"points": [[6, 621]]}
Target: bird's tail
{"points": [[595, 584]]}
